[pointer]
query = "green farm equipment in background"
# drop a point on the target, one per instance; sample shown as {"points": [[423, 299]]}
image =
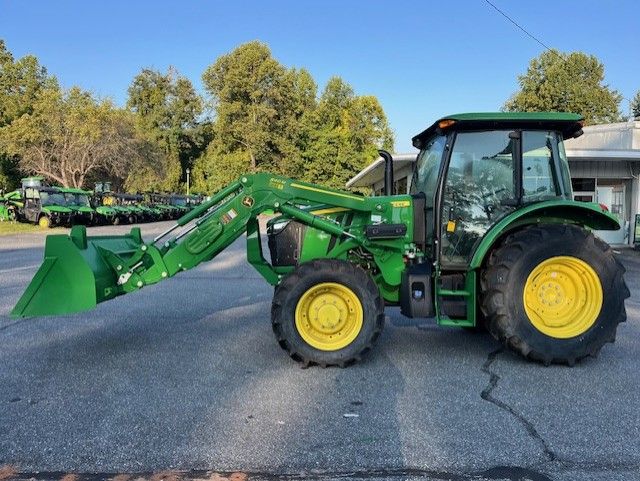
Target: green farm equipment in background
{"points": [[106, 215], [114, 208], [45, 206], [10, 205], [489, 236], [79, 202]]}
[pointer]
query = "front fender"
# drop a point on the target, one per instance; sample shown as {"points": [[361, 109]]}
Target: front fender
{"points": [[585, 214]]}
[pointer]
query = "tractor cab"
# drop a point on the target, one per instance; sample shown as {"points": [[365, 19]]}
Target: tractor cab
{"points": [[475, 169], [36, 181], [102, 187]]}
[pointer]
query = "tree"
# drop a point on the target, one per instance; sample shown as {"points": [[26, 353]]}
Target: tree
{"points": [[259, 106], [70, 135], [20, 83], [168, 111], [567, 82], [344, 133], [635, 106], [268, 118], [246, 87]]}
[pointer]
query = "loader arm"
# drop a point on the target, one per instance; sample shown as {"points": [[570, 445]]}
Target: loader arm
{"points": [[80, 271]]}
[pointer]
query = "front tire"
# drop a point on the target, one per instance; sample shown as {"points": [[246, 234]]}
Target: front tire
{"points": [[44, 222], [553, 293], [327, 312]]}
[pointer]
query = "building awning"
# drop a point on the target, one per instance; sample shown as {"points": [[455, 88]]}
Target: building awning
{"points": [[619, 141], [600, 154], [374, 172]]}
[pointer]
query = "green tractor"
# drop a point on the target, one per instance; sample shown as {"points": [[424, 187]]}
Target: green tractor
{"points": [[45, 206], [489, 235], [106, 215], [164, 205], [182, 203], [10, 205], [130, 202], [107, 209], [79, 201], [113, 208], [37, 203]]}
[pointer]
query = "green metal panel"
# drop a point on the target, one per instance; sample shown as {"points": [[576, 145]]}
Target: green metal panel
{"points": [[47, 209], [509, 116]]}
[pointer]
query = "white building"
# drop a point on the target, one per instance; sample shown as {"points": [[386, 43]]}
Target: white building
{"points": [[605, 168]]}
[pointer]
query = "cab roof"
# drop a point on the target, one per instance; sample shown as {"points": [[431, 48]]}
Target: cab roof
{"points": [[569, 124]]}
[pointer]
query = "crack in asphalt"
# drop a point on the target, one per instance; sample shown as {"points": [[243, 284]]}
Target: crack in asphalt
{"points": [[487, 395]]}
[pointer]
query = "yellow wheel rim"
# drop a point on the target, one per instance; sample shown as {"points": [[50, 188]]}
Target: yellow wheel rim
{"points": [[44, 221], [563, 297], [329, 316]]}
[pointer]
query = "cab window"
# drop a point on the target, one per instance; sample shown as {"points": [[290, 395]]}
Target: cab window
{"points": [[543, 177]]}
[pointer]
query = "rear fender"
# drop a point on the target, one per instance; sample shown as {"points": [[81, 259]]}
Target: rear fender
{"points": [[585, 214]]}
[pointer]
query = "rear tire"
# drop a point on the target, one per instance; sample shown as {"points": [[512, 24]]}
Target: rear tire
{"points": [[572, 286], [327, 312]]}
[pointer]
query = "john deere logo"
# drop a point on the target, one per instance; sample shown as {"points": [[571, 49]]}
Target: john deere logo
{"points": [[247, 201]]}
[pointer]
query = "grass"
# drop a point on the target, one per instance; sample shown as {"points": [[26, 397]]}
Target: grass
{"points": [[8, 228]]}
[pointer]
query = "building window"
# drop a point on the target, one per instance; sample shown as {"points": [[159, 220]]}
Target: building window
{"points": [[583, 185], [617, 201], [401, 186], [583, 197]]}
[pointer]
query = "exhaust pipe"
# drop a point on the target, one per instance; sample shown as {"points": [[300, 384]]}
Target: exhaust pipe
{"points": [[388, 171]]}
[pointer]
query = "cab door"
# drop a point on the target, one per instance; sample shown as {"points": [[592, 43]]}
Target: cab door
{"points": [[478, 190], [32, 205]]}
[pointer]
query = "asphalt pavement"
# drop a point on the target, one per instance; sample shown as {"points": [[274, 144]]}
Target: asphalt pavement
{"points": [[186, 376]]}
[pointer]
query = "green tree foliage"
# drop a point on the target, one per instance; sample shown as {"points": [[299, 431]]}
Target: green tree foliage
{"points": [[70, 135], [259, 106], [20, 83], [567, 82], [635, 106], [268, 118], [344, 133], [168, 111]]}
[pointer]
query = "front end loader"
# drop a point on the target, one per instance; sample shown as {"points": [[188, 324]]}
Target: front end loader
{"points": [[489, 236]]}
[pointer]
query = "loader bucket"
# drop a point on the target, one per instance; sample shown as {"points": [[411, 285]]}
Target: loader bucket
{"points": [[74, 276]]}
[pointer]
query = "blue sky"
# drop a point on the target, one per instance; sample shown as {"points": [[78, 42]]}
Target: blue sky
{"points": [[421, 59]]}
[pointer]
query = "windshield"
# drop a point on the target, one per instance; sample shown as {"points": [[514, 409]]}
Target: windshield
{"points": [[52, 198]]}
